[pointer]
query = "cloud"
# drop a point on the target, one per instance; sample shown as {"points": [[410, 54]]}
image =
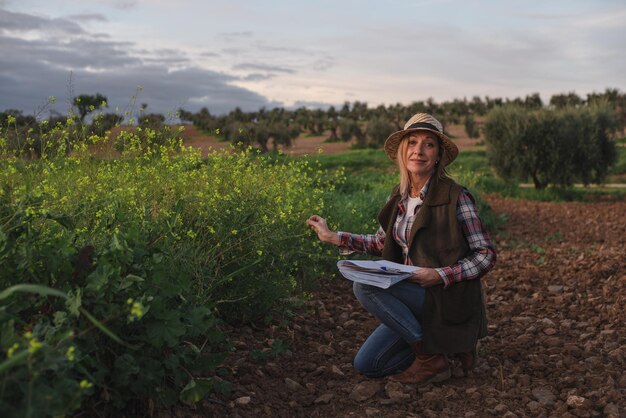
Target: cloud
{"points": [[323, 64], [262, 67], [230, 36], [67, 61], [123, 4], [257, 77], [209, 54], [22, 22], [88, 17]]}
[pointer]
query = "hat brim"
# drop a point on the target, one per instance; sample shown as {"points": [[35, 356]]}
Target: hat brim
{"points": [[393, 142]]}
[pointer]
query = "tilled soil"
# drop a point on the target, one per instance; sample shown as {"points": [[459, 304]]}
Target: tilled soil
{"points": [[556, 344]]}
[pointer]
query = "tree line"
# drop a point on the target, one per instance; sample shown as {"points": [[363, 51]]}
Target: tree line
{"points": [[370, 126], [568, 139]]}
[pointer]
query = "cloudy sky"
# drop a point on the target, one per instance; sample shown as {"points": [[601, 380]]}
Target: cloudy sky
{"points": [[223, 54]]}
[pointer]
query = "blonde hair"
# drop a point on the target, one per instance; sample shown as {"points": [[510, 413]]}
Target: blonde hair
{"points": [[405, 178]]}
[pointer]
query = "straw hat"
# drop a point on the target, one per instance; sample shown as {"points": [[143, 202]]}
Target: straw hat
{"points": [[422, 122]]}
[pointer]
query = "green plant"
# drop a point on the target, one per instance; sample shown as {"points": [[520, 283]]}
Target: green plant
{"points": [[159, 246], [552, 146], [471, 128]]}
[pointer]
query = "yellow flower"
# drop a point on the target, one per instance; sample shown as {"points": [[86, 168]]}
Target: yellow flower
{"points": [[12, 349], [234, 232], [69, 354], [33, 345], [85, 384], [259, 252]]}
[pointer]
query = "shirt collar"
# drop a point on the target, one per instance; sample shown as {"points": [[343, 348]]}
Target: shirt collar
{"points": [[422, 194], [424, 190]]}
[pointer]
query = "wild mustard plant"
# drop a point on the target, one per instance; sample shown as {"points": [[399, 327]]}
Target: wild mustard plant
{"points": [[160, 246]]}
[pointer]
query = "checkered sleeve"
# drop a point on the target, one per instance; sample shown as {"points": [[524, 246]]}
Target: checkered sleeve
{"points": [[482, 254], [362, 243]]}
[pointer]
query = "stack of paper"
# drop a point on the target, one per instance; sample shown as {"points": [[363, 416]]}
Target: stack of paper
{"points": [[380, 273]]}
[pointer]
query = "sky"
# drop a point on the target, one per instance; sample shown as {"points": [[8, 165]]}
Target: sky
{"points": [[251, 54]]}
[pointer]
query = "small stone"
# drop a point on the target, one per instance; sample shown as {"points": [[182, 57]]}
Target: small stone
{"points": [[348, 324], [244, 400], [552, 341], [395, 391], [611, 410], [501, 408], [319, 371], [292, 384], [364, 390], [555, 289], [372, 412], [491, 401], [336, 371], [550, 331], [575, 401], [617, 355], [324, 399], [534, 407], [326, 350], [522, 319], [544, 396]]}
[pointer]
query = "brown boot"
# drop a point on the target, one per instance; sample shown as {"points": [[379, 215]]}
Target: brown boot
{"points": [[426, 368], [468, 360]]}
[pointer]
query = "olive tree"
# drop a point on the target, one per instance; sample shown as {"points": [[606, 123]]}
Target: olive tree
{"points": [[87, 103], [378, 129], [551, 146]]}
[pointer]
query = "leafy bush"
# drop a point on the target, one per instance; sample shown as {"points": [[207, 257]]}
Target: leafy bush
{"points": [[552, 146], [118, 273], [378, 129], [471, 127]]}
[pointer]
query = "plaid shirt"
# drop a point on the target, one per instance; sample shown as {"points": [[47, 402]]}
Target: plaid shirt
{"points": [[479, 261]]}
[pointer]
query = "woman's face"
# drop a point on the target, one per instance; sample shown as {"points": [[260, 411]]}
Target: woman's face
{"points": [[422, 153]]}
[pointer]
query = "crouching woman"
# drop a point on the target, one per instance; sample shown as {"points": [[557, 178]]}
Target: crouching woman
{"points": [[431, 222]]}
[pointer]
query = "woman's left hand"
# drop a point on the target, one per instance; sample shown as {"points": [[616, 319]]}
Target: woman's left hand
{"points": [[426, 277]]}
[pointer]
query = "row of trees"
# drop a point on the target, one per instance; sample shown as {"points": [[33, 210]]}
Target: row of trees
{"points": [[370, 126], [349, 121], [521, 133]]}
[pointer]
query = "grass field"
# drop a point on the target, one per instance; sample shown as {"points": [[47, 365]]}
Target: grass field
{"points": [[371, 172]]}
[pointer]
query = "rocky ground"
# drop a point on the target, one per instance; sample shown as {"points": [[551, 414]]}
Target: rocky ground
{"points": [[556, 344]]}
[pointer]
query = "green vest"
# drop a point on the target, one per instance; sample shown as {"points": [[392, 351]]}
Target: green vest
{"points": [[454, 318]]}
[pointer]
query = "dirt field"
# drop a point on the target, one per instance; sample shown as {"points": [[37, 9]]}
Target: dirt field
{"points": [[310, 145], [556, 344]]}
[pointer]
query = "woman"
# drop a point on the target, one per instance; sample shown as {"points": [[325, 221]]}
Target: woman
{"points": [[431, 222]]}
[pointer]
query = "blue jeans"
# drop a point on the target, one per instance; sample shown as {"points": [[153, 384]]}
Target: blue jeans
{"points": [[398, 308]]}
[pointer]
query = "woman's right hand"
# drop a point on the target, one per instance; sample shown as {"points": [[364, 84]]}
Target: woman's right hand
{"points": [[319, 225]]}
